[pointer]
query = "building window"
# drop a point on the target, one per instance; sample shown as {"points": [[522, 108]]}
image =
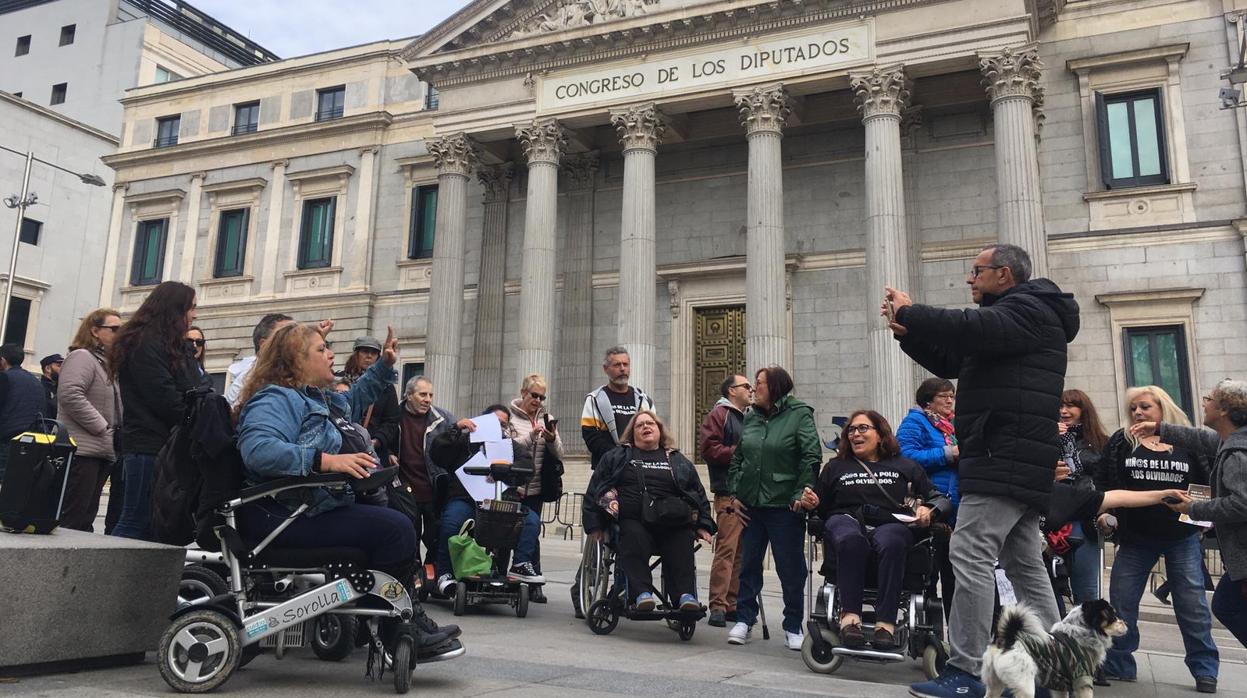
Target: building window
{"points": [[23, 45], [231, 243], [410, 370], [431, 99], [423, 221], [330, 102], [167, 131], [149, 252], [19, 321], [246, 117], [67, 34], [163, 74], [1132, 139], [316, 235], [1157, 356], [58, 92], [17, 94], [31, 229]]}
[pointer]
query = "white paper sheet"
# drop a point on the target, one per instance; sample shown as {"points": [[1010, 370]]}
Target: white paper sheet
{"points": [[488, 428], [478, 486], [499, 451], [905, 518]]}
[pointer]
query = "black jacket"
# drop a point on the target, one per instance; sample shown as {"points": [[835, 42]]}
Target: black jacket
{"points": [[49, 388], [606, 477], [1009, 357], [22, 401], [383, 424], [153, 393]]}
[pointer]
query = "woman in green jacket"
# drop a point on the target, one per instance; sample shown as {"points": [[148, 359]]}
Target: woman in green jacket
{"points": [[771, 476]]}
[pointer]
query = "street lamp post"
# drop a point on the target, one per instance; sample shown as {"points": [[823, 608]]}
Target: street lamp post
{"points": [[20, 202]]}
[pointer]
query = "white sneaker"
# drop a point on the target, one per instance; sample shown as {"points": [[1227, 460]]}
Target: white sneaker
{"points": [[794, 640], [739, 634]]}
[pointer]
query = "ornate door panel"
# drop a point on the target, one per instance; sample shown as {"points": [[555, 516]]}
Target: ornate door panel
{"points": [[718, 352]]}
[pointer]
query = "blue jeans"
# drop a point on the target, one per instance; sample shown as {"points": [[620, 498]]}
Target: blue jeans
{"points": [[136, 509], [1229, 605], [1131, 570], [784, 530], [459, 510], [1084, 570]]}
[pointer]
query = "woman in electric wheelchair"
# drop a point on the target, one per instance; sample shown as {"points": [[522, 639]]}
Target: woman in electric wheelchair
{"points": [[291, 424], [654, 495], [873, 500]]}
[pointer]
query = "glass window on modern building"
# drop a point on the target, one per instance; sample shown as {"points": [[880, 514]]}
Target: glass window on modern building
{"points": [[423, 221], [149, 252], [231, 243], [1157, 356], [167, 131], [31, 229], [18, 325], [1132, 139], [59, 91], [23, 46], [246, 117], [67, 34], [316, 233], [330, 102]]}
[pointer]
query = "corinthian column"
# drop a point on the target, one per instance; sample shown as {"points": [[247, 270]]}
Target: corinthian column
{"points": [[454, 157], [1012, 81], [543, 141], [640, 129], [576, 354], [491, 286], [763, 111], [881, 95]]}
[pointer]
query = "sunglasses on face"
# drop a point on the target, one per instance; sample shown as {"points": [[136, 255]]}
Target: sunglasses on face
{"points": [[537, 396], [198, 342]]}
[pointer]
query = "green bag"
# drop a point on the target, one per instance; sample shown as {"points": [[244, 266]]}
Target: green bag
{"points": [[468, 558]]}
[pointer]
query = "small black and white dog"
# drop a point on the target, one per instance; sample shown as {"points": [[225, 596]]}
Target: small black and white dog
{"points": [[1064, 661]]}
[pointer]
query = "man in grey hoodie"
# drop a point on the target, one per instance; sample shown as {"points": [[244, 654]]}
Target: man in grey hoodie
{"points": [[1225, 413]]}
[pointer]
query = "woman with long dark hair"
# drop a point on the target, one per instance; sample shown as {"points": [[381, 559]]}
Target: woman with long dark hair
{"points": [[151, 361], [1082, 441]]}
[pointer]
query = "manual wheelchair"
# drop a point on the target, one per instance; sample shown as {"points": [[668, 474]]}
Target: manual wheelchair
{"points": [[272, 591], [919, 624]]}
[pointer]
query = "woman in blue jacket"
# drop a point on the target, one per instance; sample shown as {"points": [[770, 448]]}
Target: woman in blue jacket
{"points": [[291, 424], [926, 437]]}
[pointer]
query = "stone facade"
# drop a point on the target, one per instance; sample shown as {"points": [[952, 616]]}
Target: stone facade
{"points": [[952, 126]]}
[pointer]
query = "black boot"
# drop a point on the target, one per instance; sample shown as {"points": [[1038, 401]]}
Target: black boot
{"points": [[536, 595]]}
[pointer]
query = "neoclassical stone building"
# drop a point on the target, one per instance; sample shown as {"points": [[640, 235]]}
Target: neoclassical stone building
{"points": [[717, 184]]}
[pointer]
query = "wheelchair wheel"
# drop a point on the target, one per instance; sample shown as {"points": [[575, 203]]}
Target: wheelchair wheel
{"points": [[461, 598], [521, 603], [199, 582], [333, 637], [601, 618], [199, 651], [821, 662], [934, 657], [402, 664], [594, 575]]}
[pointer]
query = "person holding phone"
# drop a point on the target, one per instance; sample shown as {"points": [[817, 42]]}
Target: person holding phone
{"points": [[537, 432]]}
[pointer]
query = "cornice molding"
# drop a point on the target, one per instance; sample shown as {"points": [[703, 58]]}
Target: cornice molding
{"points": [[236, 185], [1108, 60]]}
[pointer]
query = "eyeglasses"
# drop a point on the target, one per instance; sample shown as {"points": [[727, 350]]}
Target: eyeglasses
{"points": [[945, 396], [198, 342], [112, 328], [1207, 399], [746, 386], [978, 269], [858, 428], [537, 396]]}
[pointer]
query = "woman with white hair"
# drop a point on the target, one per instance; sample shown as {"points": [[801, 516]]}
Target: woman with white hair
{"points": [[1225, 412], [1145, 535], [536, 433]]}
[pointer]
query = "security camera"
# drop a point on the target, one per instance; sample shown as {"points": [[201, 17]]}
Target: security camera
{"points": [[1229, 97], [10, 201]]}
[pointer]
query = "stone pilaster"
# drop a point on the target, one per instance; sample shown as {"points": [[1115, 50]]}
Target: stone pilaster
{"points": [[543, 141], [272, 229], [1012, 82], [190, 230], [641, 128], [454, 157], [361, 249], [763, 112], [882, 95], [576, 357], [108, 283], [491, 293]]}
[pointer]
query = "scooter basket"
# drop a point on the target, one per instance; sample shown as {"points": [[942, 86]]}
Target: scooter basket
{"points": [[498, 524]]}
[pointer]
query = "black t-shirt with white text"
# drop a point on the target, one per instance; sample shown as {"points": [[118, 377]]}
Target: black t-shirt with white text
{"points": [[623, 405], [659, 481], [1147, 470], [844, 486]]}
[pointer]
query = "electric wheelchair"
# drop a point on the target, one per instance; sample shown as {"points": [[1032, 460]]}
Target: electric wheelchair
{"points": [[272, 593], [919, 624], [606, 598]]}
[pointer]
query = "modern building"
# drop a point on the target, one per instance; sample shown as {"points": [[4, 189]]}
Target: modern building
{"points": [[716, 184]]}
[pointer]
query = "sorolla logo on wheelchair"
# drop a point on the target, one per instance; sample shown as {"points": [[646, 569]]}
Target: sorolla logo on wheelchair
{"points": [[301, 608]]}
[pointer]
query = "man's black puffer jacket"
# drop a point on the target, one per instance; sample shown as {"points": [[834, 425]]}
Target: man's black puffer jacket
{"points": [[1009, 357]]}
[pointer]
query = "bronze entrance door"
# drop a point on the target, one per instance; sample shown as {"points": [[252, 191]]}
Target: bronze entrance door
{"points": [[718, 352]]}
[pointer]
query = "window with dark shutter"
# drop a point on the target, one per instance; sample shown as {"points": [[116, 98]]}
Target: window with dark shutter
{"points": [[316, 233], [149, 252], [231, 243], [1131, 130], [1157, 356], [423, 221]]}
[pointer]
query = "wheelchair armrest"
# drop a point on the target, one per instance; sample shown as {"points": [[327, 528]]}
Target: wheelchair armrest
{"points": [[268, 489]]}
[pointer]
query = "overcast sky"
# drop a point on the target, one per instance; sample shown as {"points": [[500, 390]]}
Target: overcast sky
{"points": [[298, 27]]}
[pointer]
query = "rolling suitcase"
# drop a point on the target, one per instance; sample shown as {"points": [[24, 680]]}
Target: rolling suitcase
{"points": [[34, 484]]}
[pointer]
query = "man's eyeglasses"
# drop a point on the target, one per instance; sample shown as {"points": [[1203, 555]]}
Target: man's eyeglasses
{"points": [[978, 269], [858, 428], [537, 396], [746, 386]]}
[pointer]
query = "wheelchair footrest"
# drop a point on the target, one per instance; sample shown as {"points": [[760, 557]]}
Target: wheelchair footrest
{"points": [[874, 655]]}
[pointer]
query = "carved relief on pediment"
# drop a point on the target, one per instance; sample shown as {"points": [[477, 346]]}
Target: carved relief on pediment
{"points": [[575, 14]]}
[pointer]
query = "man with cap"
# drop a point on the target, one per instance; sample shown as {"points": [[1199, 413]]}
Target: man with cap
{"points": [[51, 366], [382, 417]]}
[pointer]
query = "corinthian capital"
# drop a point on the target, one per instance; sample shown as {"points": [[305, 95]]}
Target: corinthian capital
{"points": [[497, 181], [1013, 72], [640, 127], [454, 154], [542, 141], [763, 109], [881, 92], [580, 170]]}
